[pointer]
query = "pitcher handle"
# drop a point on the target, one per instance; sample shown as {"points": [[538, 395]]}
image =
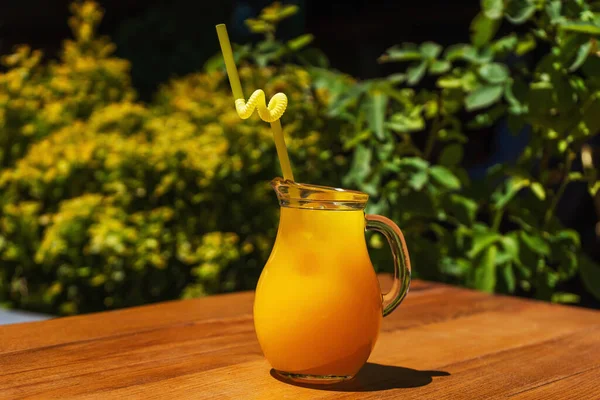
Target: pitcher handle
{"points": [[395, 238]]}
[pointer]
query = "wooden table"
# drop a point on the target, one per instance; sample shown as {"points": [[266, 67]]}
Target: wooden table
{"points": [[442, 343]]}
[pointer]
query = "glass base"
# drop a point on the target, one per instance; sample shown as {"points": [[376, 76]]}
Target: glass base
{"points": [[313, 379]]}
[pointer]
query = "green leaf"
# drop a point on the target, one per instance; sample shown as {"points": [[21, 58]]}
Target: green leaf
{"points": [[551, 279], [418, 180], [564, 254], [510, 245], [430, 50], [485, 271], [502, 258], [385, 151], [513, 186], [397, 78], [444, 177], [439, 67], [97, 280], [525, 45], [457, 267], [463, 208], [483, 30], [376, 113], [414, 163], [468, 53], [581, 27], [268, 46], [361, 164], [406, 53], [582, 55], [451, 155], [565, 298], [381, 208], [484, 96], [538, 190], [516, 107], [482, 240], [371, 186], [576, 176], [277, 12], [590, 275], [509, 278], [594, 188], [288, 10], [431, 107], [300, 42], [359, 137], [553, 10], [458, 51], [505, 44], [569, 235], [263, 59], [524, 270], [494, 72], [449, 82], [535, 243], [403, 123], [258, 26], [493, 9], [347, 96], [519, 11], [415, 73]]}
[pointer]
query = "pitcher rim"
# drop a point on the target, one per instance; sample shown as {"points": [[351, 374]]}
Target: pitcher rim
{"points": [[308, 196]]}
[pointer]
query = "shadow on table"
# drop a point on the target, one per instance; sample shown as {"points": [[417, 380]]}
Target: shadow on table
{"points": [[375, 377]]}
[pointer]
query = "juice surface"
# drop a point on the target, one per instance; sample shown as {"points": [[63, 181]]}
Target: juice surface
{"points": [[318, 303]]}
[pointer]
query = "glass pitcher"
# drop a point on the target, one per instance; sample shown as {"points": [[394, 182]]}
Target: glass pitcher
{"points": [[318, 305]]}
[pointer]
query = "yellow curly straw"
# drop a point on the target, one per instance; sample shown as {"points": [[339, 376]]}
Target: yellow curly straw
{"points": [[268, 113]]}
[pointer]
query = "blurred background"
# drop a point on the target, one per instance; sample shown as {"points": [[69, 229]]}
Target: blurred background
{"points": [[126, 176]]}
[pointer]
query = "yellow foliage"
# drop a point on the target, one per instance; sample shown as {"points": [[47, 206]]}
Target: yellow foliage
{"points": [[107, 202]]}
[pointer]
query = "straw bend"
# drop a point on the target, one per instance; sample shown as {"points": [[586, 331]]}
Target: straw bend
{"points": [[270, 113]]}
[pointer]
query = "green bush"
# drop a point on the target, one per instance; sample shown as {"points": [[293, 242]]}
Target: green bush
{"points": [[108, 202], [500, 235]]}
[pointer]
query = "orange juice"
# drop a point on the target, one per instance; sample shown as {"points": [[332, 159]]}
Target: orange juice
{"points": [[318, 305]]}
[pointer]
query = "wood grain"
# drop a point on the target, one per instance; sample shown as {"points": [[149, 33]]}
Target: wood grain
{"points": [[442, 343]]}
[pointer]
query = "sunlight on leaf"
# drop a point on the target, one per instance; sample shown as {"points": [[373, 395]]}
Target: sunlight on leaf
{"points": [[483, 30], [483, 97], [485, 271], [415, 73], [492, 9], [519, 11]]}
